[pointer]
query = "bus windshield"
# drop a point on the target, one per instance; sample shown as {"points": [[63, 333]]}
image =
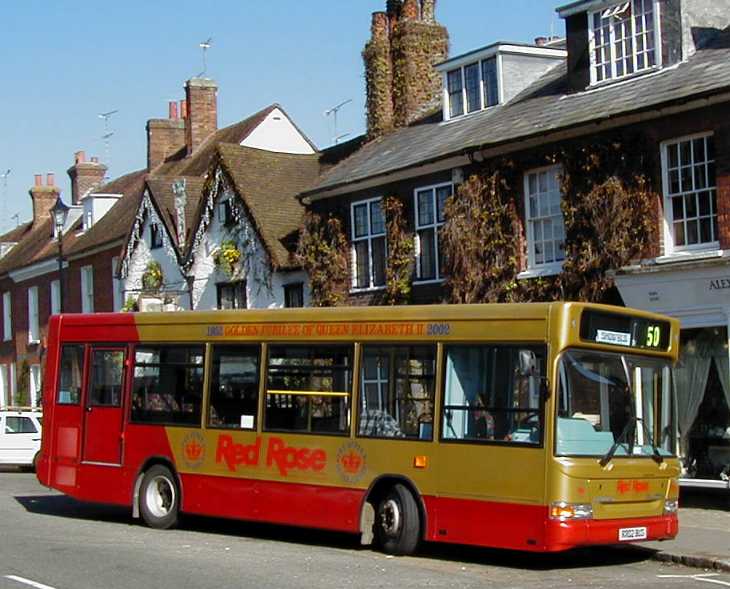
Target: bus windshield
{"points": [[615, 405]]}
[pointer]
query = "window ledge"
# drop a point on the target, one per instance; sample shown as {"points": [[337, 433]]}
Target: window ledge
{"points": [[366, 289], [33, 342], [691, 256], [428, 281], [539, 271]]}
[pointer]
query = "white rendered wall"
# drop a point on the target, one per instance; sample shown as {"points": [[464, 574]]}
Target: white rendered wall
{"points": [[173, 278], [277, 133], [264, 289]]}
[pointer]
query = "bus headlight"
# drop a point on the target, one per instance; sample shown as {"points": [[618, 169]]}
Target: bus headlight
{"points": [[671, 506], [562, 511]]}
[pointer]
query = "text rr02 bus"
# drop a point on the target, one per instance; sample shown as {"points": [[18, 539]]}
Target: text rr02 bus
{"points": [[536, 427]]}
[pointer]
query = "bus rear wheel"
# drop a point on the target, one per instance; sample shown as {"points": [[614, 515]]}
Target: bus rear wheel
{"points": [[397, 522], [159, 499]]}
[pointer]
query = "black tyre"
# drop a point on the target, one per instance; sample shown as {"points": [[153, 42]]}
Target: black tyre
{"points": [[36, 458], [159, 498], [397, 522]]}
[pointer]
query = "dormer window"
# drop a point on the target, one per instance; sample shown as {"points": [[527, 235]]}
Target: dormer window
{"points": [[225, 213], [155, 236], [472, 87], [624, 40]]}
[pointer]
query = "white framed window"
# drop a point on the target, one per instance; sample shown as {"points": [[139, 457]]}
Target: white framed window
{"points": [[225, 213], [429, 208], [87, 289], [34, 334], [4, 386], [368, 244], [690, 193], [624, 39], [116, 286], [55, 297], [155, 236], [545, 226], [472, 87], [7, 317], [35, 385]]}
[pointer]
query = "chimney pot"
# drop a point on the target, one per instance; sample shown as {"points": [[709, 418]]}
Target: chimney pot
{"points": [[50, 179], [379, 28], [94, 160], [411, 10], [80, 157], [172, 110], [428, 10], [183, 109], [540, 41], [38, 179]]}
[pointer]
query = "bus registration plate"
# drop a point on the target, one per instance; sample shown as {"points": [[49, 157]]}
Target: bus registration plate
{"points": [[625, 534]]}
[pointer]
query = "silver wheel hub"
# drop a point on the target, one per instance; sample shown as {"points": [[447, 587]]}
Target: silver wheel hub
{"points": [[160, 496], [391, 517]]}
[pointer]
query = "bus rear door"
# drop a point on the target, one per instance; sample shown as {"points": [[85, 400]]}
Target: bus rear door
{"points": [[103, 405]]}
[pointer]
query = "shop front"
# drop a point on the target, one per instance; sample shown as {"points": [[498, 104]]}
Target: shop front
{"points": [[698, 294]]}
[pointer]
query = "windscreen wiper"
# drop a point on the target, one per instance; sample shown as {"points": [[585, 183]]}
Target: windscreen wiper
{"points": [[656, 455], [612, 450]]}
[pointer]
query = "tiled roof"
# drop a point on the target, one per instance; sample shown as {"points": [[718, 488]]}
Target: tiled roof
{"points": [[545, 107], [268, 184], [116, 223], [16, 234], [36, 246]]}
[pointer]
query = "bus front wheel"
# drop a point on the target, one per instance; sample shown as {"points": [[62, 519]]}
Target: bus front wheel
{"points": [[397, 522], [159, 499]]}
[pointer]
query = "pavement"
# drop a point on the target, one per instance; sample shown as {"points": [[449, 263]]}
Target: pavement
{"points": [[704, 532]]}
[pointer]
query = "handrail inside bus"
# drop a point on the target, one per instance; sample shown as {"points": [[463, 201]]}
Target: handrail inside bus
{"points": [[312, 393]]}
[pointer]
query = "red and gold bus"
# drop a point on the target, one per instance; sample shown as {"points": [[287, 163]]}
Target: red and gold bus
{"points": [[536, 427]]}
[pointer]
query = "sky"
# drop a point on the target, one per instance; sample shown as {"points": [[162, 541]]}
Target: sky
{"points": [[64, 62]]}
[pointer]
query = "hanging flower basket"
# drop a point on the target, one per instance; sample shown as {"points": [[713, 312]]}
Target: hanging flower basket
{"points": [[152, 277], [227, 257]]}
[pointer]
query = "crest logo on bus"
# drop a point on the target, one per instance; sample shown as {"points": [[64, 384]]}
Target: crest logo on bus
{"points": [[351, 462], [194, 449]]}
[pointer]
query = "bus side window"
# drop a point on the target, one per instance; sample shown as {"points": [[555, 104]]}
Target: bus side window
{"points": [[71, 373], [168, 384], [308, 388], [397, 392], [487, 398], [234, 387]]}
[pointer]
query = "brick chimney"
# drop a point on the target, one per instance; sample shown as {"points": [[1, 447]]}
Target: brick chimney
{"points": [[165, 136], [85, 176], [202, 111], [379, 77], [43, 197], [402, 84]]}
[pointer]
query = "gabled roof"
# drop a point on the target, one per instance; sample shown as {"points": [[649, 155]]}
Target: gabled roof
{"points": [[545, 107], [163, 195], [268, 184]]}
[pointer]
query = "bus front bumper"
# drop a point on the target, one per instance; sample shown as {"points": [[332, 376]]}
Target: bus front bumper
{"points": [[562, 535]]}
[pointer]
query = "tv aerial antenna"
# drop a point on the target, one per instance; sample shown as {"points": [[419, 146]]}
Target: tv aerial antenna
{"points": [[205, 45], [4, 177], [333, 113], [106, 137]]}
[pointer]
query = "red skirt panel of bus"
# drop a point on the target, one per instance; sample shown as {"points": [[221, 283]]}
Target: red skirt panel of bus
{"points": [[527, 527], [310, 506], [564, 535]]}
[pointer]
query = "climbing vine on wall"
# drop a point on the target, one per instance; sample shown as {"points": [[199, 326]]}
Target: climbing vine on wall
{"points": [[609, 209], [401, 249], [323, 253], [480, 241]]}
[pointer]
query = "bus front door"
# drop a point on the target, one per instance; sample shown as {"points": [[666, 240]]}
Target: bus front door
{"points": [[103, 406]]}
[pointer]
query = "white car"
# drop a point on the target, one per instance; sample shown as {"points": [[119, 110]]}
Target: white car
{"points": [[20, 437]]}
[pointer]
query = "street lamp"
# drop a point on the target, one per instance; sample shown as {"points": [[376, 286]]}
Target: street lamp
{"points": [[59, 213]]}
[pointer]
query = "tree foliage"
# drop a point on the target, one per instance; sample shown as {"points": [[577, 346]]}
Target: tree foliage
{"points": [[401, 249], [322, 253]]}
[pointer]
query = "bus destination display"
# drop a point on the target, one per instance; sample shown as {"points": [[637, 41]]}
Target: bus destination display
{"points": [[622, 330]]}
